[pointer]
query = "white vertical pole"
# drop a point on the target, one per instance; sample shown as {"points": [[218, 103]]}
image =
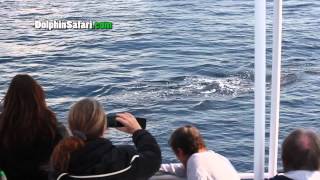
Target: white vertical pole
{"points": [[259, 92], [275, 93]]}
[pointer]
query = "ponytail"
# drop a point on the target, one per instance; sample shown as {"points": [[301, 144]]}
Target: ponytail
{"points": [[61, 154], [87, 120]]}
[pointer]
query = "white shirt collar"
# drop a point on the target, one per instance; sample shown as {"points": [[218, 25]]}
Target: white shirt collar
{"points": [[303, 175]]}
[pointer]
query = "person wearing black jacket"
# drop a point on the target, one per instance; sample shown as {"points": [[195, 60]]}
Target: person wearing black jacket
{"points": [[87, 155], [29, 130]]}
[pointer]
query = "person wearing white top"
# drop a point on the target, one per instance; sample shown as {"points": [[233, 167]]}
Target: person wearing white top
{"points": [[300, 156], [197, 163], [303, 175]]}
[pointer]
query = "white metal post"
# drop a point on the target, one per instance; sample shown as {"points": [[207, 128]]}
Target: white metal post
{"points": [[259, 88], [275, 93]]}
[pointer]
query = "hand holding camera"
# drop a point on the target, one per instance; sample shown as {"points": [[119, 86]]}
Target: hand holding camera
{"points": [[126, 122]]}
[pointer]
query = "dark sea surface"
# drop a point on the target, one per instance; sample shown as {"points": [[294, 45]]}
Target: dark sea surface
{"points": [[174, 62]]}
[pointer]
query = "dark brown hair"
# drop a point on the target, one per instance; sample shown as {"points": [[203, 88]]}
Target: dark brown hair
{"points": [[187, 138], [301, 151], [25, 115], [87, 120]]}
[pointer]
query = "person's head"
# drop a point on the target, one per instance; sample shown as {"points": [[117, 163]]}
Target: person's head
{"points": [[87, 120], [25, 115], [88, 117], [301, 151], [186, 141]]}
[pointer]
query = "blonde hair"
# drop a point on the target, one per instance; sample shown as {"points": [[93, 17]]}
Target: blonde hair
{"points": [[88, 117]]}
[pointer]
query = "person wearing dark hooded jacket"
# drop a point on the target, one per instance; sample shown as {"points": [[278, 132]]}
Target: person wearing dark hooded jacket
{"points": [[87, 155]]}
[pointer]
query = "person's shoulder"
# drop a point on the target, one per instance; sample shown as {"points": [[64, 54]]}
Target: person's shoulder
{"points": [[217, 155], [211, 155], [100, 151], [316, 173], [196, 160], [123, 153], [98, 146], [200, 156], [299, 174], [280, 177]]}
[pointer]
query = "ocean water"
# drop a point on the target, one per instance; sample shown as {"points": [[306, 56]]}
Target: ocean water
{"points": [[174, 62]]}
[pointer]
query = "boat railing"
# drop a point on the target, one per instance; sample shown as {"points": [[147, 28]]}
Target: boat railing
{"points": [[260, 90]]}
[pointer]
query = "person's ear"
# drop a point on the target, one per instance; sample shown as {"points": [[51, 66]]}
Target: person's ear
{"points": [[180, 152], [182, 156]]}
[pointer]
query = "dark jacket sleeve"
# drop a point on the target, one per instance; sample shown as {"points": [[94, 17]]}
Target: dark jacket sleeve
{"points": [[149, 160]]}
